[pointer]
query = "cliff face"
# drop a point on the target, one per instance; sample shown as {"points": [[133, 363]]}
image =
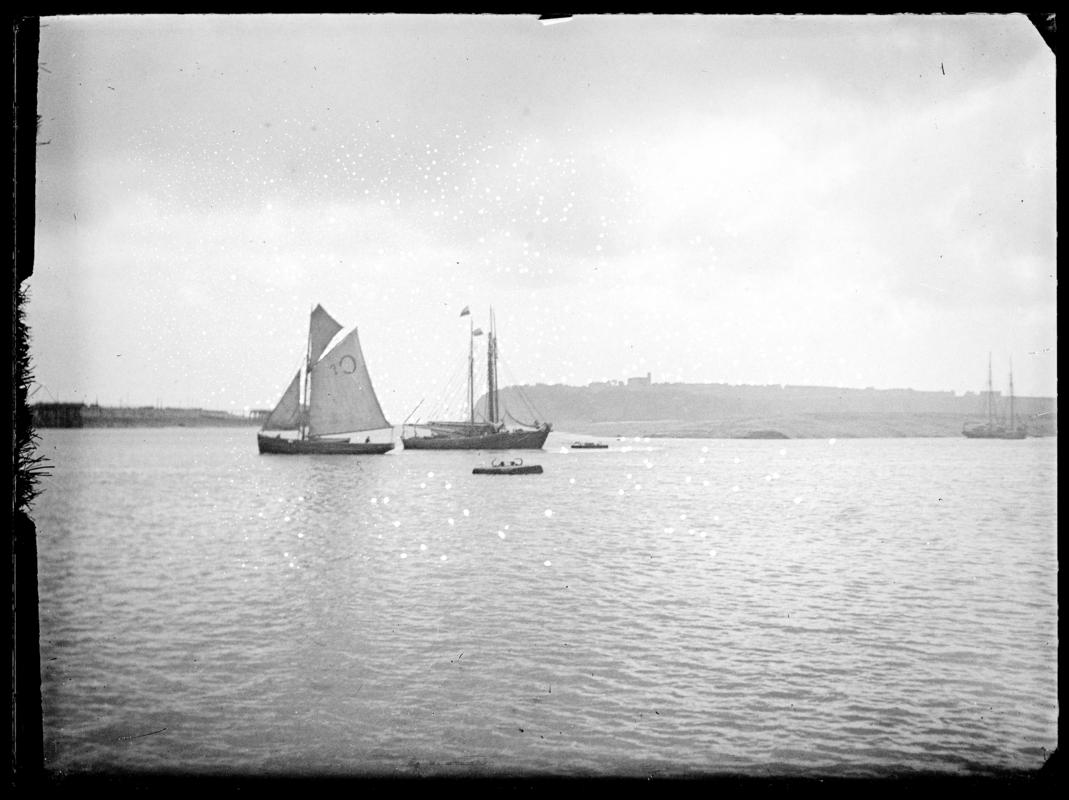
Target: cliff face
{"points": [[722, 411]]}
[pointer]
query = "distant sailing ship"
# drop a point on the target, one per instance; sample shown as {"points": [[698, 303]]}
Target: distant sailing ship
{"points": [[338, 399], [483, 434], [993, 427]]}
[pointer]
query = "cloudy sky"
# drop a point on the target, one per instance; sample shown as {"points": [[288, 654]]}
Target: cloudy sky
{"points": [[846, 201]]}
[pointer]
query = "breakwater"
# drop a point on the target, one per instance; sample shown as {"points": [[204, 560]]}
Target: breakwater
{"points": [[81, 415]]}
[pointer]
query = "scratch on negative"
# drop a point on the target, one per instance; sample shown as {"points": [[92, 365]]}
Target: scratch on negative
{"points": [[140, 735]]}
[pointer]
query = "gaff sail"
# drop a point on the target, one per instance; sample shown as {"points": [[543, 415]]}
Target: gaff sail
{"points": [[286, 415], [343, 399], [321, 329]]}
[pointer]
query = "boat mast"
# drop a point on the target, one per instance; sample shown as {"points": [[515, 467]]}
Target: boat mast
{"points": [[491, 371], [471, 372], [302, 423]]}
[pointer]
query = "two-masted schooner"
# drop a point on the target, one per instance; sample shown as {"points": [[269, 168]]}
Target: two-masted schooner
{"points": [[338, 398], [993, 427], [488, 432]]}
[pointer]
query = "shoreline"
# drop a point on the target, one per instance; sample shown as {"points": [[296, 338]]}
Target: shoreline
{"points": [[79, 415], [764, 426], [824, 425]]}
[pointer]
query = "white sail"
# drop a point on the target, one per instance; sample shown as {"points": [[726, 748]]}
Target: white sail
{"points": [[286, 415], [343, 399], [321, 329]]}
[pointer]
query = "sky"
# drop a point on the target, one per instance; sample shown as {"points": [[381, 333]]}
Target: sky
{"points": [[838, 201]]}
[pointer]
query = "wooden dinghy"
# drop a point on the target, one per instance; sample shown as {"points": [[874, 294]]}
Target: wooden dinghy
{"points": [[500, 466]]}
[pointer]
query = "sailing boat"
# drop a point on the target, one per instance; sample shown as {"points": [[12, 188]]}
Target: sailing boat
{"points": [[993, 428], [338, 398], [483, 434]]}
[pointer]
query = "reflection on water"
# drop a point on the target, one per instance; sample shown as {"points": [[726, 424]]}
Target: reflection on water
{"points": [[661, 607]]}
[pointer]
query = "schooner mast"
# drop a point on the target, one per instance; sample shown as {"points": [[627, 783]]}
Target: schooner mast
{"points": [[491, 373], [471, 434], [471, 371], [473, 332]]}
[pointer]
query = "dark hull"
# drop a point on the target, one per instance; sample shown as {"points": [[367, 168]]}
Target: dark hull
{"points": [[506, 440], [533, 469], [995, 434], [590, 447], [276, 445]]}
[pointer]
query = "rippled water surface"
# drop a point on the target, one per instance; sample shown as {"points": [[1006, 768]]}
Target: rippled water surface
{"points": [[665, 607]]}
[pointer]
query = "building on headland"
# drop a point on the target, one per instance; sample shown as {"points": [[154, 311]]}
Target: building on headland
{"points": [[634, 383]]}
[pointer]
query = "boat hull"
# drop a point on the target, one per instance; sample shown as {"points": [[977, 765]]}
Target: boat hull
{"points": [[532, 469], [276, 445], [993, 432], [506, 440]]}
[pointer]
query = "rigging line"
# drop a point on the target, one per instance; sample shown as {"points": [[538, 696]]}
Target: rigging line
{"points": [[521, 422], [456, 383], [519, 391], [527, 402], [455, 397], [414, 410], [453, 408]]}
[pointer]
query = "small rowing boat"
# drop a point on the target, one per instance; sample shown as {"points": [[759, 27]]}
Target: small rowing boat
{"points": [[500, 466]]}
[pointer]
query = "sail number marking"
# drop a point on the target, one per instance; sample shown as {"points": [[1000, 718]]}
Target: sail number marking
{"points": [[347, 364]]}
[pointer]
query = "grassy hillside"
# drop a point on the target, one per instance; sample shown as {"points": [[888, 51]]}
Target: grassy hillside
{"points": [[719, 411], [793, 426]]}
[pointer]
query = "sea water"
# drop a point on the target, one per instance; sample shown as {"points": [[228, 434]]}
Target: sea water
{"points": [[661, 607]]}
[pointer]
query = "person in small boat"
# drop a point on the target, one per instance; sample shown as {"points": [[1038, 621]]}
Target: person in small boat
{"points": [[367, 440]]}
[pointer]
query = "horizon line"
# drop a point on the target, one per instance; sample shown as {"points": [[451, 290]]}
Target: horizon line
{"points": [[614, 383]]}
